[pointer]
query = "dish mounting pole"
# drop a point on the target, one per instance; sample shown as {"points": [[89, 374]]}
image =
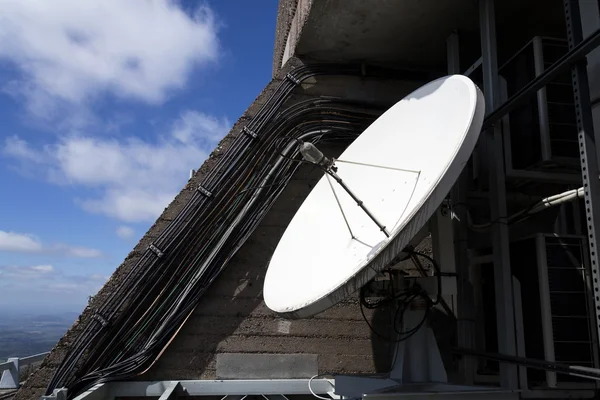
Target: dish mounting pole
{"points": [[311, 154], [358, 201]]}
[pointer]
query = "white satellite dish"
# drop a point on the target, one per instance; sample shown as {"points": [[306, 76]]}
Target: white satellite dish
{"points": [[401, 167]]}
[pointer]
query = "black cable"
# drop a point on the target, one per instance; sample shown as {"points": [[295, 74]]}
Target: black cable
{"points": [[146, 279], [402, 309], [404, 299]]}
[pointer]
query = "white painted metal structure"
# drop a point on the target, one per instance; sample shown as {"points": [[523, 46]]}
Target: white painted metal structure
{"points": [[401, 167], [9, 370], [275, 389]]}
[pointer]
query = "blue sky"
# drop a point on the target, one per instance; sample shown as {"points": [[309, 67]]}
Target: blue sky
{"points": [[105, 106]]}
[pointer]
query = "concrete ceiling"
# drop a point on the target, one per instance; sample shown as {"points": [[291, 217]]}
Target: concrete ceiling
{"points": [[383, 31], [413, 32]]}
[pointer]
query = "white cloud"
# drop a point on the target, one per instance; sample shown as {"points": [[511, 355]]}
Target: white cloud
{"points": [[26, 243], [80, 252], [27, 272], [20, 149], [43, 268], [73, 284], [40, 281], [18, 242], [67, 55], [194, 128], [69, 52], [136, 178], [125, 232]]}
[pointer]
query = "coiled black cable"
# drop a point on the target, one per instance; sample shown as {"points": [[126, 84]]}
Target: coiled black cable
{"points": [[402, 301]]}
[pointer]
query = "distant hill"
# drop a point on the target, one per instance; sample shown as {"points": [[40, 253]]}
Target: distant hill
{"points": [[27, 334], [61, 317]]}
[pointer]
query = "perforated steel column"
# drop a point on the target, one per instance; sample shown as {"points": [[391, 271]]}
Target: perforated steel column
{"points": [[588, 151]]}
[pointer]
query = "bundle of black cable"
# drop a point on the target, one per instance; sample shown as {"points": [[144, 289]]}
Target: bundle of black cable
{"points": [[403, 298], [128, 332]]}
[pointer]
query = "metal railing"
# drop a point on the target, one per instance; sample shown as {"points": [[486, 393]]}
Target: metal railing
{"points": [[10, 369], [268, 389]]}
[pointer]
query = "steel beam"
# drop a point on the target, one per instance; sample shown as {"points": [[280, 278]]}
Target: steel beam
{"points": [[275, 397], [453, 53], [61, 394], [473, 67], [6, 365], [442, 392], [172, 392], [546, 312], [9, 371], [588, 151], [256, 387], [520, 332], [10, 374], [464, 290], [575, 54], [500, 239]]}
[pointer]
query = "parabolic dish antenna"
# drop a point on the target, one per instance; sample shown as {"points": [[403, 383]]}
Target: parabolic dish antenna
{"points": [[401, 168]]}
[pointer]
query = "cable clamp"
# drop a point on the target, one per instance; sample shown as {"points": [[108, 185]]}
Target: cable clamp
{"points": [[156, 250], [98, 317], [250, 133], [204, 191], [292, 78], [446, 208]]}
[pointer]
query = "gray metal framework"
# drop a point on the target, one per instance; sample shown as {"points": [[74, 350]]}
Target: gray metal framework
{"points": [[464, 292], [500, 238], [273, 389], [10, 369], [589, 152], [579, 47]]}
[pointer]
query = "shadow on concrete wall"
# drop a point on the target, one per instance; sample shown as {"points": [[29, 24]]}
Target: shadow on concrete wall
{"points": [[444, 328], [383, 347]]}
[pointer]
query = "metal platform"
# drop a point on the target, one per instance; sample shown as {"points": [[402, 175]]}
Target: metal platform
{"points": [[173, 389], [441, 391]]}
